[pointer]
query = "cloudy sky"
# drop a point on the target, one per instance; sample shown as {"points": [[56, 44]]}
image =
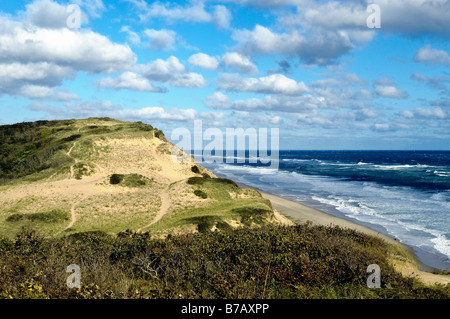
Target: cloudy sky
{"points": [[313, 69]]}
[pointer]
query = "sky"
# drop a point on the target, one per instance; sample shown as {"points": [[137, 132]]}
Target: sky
{"points": [[332, 75]]}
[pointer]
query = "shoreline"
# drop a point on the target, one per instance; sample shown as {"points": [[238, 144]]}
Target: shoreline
{"points": [[300, 213]]}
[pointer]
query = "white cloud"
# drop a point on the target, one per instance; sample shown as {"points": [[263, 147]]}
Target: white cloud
{"points": [[129, 80], [387, 88], [272, 84], [171, 71], [107, 108], [204, 61], [36, 58], [46, 93], [132, 36], [94, 8], [389, 91], [161, 39], [46, 14], [158, 113], [35, 80], [407, 114], [194, 11], [317, 48], [84, 50], [218, 97], [239, 62], [432, 56], [222, 16], [398, 16], [437, 113]]}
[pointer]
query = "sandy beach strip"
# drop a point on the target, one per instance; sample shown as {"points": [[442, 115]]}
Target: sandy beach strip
{"points": [[300, 214]]}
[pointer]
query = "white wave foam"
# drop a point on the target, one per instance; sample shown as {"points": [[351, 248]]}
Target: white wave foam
{"points": [[442, 173], [442, 244]]}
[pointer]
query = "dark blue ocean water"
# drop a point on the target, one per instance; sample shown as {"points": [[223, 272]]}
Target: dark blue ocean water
{"points": [[405, 194]]}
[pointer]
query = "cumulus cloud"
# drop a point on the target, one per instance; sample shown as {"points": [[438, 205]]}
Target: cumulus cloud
{"points": [[436, 113], [173, 72], [398, 16], [38, 92], [46, 14], [222, 16], [432, 56], [131, 81], [239, 62], [318, 48], [387, 88], [320, 32], [161, 39], [194, 11], [272, 84], [35, 80], [107, 108], [86, 50], [36, 58], [204, 61]]}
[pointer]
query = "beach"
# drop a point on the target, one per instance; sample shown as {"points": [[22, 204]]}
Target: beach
{"points": [[299, 214]]}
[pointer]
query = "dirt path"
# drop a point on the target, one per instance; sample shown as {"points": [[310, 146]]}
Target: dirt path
{"points": [[165, 205]]}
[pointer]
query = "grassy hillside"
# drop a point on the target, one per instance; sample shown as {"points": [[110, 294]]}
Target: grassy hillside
{"points": [[100, 174]]}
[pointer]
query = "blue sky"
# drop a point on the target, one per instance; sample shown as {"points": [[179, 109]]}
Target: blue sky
{"points": [[313, 69]]}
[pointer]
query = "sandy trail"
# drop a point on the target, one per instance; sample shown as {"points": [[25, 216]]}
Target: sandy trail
{"points": [[165, 205]]}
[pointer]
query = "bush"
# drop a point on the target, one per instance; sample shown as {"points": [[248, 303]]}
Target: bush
{"points": [[116, 178], [195, 169], [129, 180], [72, 138], [200, 193]]}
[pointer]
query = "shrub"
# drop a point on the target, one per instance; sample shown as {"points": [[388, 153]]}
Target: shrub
{"points": [[195, 169], [72, 138], [129, 180], [200, 193], [116, 178]]}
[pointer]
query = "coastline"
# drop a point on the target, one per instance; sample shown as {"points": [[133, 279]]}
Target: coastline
{"points": [[299, 213]]}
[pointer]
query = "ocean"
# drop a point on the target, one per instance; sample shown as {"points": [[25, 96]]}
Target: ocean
{"points": [[405, 194]]}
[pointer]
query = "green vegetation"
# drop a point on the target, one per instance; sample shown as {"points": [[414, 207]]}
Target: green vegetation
{"points": [[129, 180], [53, 216], [223, 203], [39, 148], [265, 262], [200, 194]]}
